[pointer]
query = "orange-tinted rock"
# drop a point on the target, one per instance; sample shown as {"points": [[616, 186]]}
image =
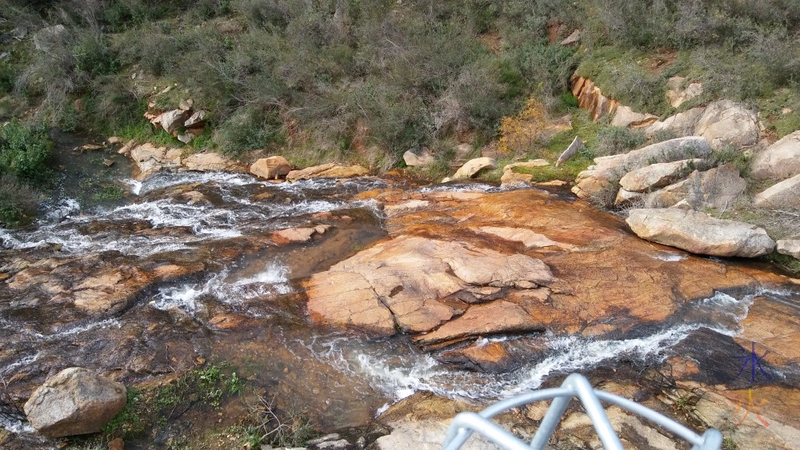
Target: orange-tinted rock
{"points": [[491, 357], [411, 276]]}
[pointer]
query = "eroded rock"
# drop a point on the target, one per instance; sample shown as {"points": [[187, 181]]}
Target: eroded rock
{"points": [[473, 166], [779, 161], [699, 233], [410, 277], [271, 168], [726, 123], [74, 401], [607, 170], [327, 171], [785, 194]]}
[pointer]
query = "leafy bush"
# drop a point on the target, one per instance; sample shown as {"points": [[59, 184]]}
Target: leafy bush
{"points": [[18, 203], [250, 129], [616, 140], [25, 151]]}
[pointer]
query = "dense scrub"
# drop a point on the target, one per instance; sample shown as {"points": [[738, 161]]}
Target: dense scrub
{"points": [[357, 80]]}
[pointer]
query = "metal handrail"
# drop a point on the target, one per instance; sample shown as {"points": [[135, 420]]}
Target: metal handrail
{"points": [[576, 385]]}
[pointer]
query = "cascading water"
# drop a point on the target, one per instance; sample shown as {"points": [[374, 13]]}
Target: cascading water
{"points": [[344, 378]]}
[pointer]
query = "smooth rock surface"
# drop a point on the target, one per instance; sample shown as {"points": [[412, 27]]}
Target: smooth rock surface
{"points": [[74, 401], [789, 247], [609, 169], [779, 161], [726, 123], [679, 125], [625, 117], [327, 171], [782, 195], [473, 166], [206, 162], [699, 233], [657, 175], [406, 279], [271, 168], [423, 159]]}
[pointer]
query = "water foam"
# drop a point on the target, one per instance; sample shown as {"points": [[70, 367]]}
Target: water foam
{"points": [[225, 288], [400, 372]]}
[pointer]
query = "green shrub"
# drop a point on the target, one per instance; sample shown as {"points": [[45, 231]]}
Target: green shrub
{"points": [[18, 203], [25, 151], [616, 140], [249, 129]]}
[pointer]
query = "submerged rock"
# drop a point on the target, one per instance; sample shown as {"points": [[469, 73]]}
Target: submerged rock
{"points": [[74, 401]]}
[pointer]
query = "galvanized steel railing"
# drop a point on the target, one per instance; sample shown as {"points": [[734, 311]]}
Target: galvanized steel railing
{"points": [[576, 385]]}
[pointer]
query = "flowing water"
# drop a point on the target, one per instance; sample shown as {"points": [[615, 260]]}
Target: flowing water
{"points": [[341, 379]]}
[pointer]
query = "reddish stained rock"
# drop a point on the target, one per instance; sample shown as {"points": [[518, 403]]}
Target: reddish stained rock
{"points": [[489, 357], [347, 299], [605, 280], [499, 316], [411, 276]]}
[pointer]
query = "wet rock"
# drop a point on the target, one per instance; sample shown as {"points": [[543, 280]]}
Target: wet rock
{"points": [[327, 171], [472, 167], [271, 168], [609, 169], [484, 319], [346, 299], [656, 176], [75, 401], [297, 235], [726, 123], [779, 161], [408, 277], [785, 194], [789, 247], [699, 233], [527, 238], [424, 159], [490, 357]]}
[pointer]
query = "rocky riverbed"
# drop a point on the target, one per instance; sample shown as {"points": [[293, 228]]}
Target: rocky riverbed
{"points": [[347, 296]]}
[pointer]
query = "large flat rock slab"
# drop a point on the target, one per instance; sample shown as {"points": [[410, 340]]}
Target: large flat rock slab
{"points": [[437, 278], [411, 278]]}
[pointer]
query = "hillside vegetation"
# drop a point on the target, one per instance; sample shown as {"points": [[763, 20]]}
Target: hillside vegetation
{"points": [[365, 81]]}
